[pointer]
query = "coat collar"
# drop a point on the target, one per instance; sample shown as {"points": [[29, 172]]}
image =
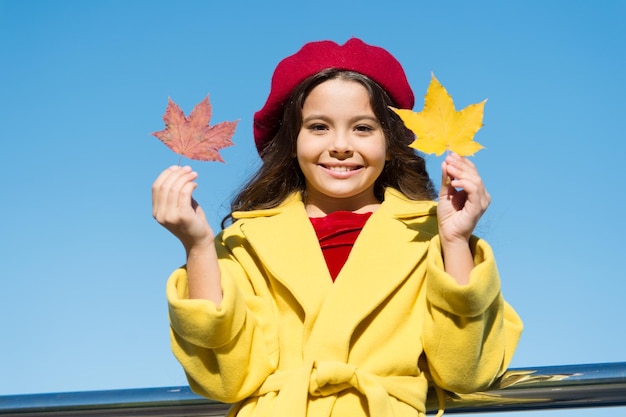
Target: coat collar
{"points": [[396, 203], [388, 248], [285, 242]]}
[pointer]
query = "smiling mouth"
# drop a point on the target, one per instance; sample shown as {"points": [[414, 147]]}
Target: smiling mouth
{"points": [[341, 168]]}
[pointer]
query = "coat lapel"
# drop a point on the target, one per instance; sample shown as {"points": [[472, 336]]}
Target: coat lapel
{"points": [[383, 257], [391, 244], [287, 246]]}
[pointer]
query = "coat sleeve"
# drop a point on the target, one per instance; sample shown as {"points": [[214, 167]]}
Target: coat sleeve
{"points": [[227, 351], [470, 333]]}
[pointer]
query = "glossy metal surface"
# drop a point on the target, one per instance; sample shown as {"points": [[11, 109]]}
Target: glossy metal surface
{"points": [[569, 386]]}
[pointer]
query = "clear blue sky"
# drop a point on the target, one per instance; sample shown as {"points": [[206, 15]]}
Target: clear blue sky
{"points": [[83, 84]]}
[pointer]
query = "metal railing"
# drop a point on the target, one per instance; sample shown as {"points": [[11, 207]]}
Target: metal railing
{"points": [[568, 386]]}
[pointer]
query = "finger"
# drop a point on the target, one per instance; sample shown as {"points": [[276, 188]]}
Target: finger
{"points": [[163, 188], [168, 189], [164, 174], [157, 189], [178, 183], [460, 167], [445, 180], [477, 194], [464, 174], [464, 161], [157, 185], [185, 199], [466, 177]]}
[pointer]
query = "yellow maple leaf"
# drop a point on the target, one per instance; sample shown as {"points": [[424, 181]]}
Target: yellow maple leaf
{"points": [[439, 127]]}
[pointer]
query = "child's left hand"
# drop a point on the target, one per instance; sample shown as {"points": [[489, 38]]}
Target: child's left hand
{"points": [[462, 200]]}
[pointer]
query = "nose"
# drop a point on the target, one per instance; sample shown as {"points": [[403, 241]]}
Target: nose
{"points": [[341, 146]]}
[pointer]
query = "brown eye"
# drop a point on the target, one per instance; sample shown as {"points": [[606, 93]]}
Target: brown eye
{"points": [[317, 127], [363, 128]]}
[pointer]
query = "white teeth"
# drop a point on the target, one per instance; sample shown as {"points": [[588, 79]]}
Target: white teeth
{"points": [[340, 169]]}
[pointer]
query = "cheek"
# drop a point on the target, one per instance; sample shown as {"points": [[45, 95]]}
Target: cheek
{"points": [[308, 147], [378, 154], [303, 152], [300, 148]]}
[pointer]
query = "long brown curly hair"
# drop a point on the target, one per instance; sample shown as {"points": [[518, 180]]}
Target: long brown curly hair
{"points": [[280, 175]]}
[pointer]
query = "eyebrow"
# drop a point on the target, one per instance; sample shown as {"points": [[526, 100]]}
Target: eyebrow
{"points": [[352, 120]]}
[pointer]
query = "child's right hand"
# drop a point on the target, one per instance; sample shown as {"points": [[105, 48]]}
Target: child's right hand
{"points": [[175, 209]]}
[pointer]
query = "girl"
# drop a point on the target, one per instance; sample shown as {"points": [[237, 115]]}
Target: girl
{"points": [[340, 288]]}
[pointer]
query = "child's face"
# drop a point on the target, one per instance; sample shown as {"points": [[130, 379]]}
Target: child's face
{"points": [[341, 147]]}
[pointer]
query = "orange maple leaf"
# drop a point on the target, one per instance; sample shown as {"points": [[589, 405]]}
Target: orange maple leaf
{"points": [[192, 136], [439, 127]]}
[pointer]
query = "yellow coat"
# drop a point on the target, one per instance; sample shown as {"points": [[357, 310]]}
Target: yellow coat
{"points": [[287, 341]]}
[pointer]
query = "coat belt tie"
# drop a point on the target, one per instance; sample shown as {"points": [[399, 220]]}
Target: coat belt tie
{"points": [[326, 378]]}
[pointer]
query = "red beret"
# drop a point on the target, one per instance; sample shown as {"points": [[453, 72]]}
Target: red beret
{"points": [[355, 55]]}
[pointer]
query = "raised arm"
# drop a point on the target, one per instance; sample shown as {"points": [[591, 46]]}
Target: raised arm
{"points": [[470, 332], [462, 201], [175, 209]]}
